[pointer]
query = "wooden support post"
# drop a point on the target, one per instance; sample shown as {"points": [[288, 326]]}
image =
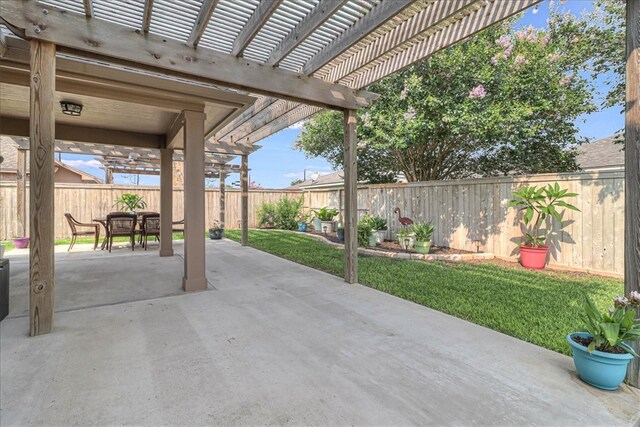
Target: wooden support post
{"points": [[108, 176], [223, 176], [244, 201], [21, 193], [632, 169], [166, 202], [194, 225], [41, 187], [350, 199]]}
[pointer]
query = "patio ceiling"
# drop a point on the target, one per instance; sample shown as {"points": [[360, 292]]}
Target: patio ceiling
{"points": [[335, 47]]}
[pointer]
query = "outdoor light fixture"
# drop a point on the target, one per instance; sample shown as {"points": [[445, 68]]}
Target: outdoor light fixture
{"points": [[535, 9], [70, 108], [406, 244], [324, 229]]}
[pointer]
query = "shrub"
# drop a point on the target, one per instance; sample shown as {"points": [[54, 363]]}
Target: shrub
{"points": [[266, 215], [287, 213], [378, 223], [130, 202], [364, 231]]}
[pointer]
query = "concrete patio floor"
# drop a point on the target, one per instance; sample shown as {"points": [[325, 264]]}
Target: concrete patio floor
{"points": [[279, 343]]}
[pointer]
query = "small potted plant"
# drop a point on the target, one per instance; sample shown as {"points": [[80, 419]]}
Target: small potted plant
{"points": [[340, 233], [406, 238], [216, 232], [20, 242], [129, 202], [423, 232], [366, 233], [379, 225], [302, 221], [326, 216], [602, 353], [539, 204]]}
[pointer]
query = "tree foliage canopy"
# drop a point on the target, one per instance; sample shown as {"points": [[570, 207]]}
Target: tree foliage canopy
{"points": [[504, 101]]}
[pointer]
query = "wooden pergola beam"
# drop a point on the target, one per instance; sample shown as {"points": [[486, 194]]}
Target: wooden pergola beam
{"points": [[363, 27], [260, 16], [244, 200], [88, 8], [350, 198], [79, 36], [632, 169], [261, 119], [21, 192], [260, 104], [20, 127], [323, 11], [200, 25], [146, 17]]}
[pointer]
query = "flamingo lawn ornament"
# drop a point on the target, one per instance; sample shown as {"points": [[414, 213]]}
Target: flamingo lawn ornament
{"points": [[403, 219]]}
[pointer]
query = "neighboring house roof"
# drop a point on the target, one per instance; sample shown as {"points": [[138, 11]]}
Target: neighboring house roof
{"points": [[604, 153], [326, 180], [9, 152]]}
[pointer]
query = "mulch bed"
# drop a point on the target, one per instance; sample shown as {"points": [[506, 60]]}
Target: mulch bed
{"points": [[392, 246]]}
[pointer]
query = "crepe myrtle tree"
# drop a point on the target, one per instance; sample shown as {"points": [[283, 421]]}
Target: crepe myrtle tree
{"points": [[505, 101]]}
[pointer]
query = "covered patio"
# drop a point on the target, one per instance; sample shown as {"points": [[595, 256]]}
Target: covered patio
{"points": [[266, 341], [263, 347]]}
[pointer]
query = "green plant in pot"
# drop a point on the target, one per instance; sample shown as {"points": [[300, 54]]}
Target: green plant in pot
{"points": [[366, 233], [422, 232], [379, 226], [540, 206], [130, 202], [406, 238], [303, 219], [216, 232], [602, 353], [326, 216]]}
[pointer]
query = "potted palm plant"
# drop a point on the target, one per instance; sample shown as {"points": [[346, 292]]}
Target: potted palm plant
{"points": [[326, 216], [423, 232], [602, 353], [379, 226], [539, 204], [130, 202]]}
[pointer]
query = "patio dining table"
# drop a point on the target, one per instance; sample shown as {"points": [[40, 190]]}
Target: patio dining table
{"points": [[103, 222]]}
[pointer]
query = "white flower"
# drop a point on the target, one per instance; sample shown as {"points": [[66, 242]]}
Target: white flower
{"points": [[477, 92], [410, 114]]}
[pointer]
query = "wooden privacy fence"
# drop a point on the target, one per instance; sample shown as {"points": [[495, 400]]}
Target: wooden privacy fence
{"points": [[467, 214], [473, 214], [86, 202]]}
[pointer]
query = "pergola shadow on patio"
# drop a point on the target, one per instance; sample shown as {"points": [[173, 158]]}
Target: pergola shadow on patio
{"points": [[219, 75], [279, 343]]}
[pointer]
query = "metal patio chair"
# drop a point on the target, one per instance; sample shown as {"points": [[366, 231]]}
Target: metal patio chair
{"points": [[150, 227], [74, 224], [122, 224]]}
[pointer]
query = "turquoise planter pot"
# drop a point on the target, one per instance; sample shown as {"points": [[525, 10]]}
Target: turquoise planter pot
{"points": [[600, 369], [302, 226], [317, 226]]}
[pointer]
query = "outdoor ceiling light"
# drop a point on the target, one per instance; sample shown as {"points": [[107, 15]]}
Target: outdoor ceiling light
{"points": [[70, 108], [535, 9]]}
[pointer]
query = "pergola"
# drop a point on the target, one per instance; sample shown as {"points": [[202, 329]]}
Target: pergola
{"points": [[295, 57]]}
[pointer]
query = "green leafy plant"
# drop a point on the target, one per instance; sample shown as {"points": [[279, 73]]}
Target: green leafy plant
{"points": [[266, 215], [287, 212], [423, 231], [364, 231], [608, 330], [326, 214], [404, 232], [130, 202], [378, 223], [303, 217], [538, 204]]}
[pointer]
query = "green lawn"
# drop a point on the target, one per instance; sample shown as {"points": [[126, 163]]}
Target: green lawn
{"points": [[539, 307], [9, 244]]}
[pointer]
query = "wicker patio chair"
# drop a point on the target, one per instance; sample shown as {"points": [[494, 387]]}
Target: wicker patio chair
{"points": [[150, 227], [177, 226], [122, 224], [74, 224]]}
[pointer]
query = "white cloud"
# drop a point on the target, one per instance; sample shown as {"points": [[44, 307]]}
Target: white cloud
{"points": [[293, 175], [93, 163], [329, 169]]}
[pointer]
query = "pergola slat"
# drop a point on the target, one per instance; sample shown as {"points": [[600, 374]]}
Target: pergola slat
{"points": [[88, 8], [322, 12], [208, 6], [367, 24], [146, 18], [260, 17]]}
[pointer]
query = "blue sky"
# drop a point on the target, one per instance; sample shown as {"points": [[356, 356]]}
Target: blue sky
{"points": [[276, 164]]}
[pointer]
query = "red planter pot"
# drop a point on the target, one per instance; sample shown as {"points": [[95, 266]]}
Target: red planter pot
{"points": [[534, 258]]}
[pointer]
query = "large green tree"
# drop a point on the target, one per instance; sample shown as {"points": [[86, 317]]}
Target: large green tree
{"points": [[504, 101]]}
